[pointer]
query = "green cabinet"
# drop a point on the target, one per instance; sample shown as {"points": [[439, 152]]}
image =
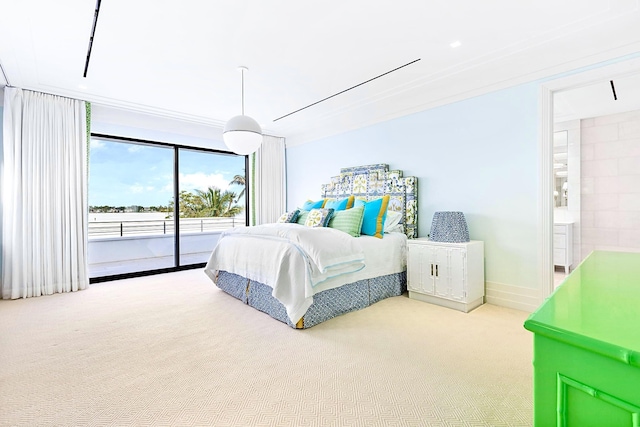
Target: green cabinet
{"points": [[586, 355]]}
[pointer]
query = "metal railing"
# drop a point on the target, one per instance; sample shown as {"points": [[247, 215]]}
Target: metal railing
{"points": [[99, 229]]}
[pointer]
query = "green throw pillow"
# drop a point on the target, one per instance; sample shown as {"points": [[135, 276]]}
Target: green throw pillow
{"points": [[349, 221]]}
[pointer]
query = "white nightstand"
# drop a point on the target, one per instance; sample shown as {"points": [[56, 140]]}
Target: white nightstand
{"points": [[563, 245], [447, 274]]}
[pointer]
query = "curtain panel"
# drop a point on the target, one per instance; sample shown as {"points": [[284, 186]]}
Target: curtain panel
{"points": [[268, 179], [44, 194]]}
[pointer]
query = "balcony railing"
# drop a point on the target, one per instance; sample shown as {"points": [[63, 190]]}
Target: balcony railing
{"points": [[99, 229]]}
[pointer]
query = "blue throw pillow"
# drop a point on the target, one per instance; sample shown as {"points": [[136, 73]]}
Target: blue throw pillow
{"points": [[339, 205], [308, 205], [375, 212]]}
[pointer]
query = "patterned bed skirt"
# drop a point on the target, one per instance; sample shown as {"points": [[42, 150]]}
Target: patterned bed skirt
{"points": [[326, 304]]}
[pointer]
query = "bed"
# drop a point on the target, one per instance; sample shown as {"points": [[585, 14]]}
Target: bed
{"points": [[303, 276]]}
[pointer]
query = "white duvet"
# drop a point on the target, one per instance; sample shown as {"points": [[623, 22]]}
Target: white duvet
{"points": [[291, 259]]}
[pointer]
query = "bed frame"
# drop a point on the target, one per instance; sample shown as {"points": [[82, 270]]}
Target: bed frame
{"points": [[366, 183]]}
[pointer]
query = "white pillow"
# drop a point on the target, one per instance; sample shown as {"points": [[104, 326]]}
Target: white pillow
{"points": [[397, 229], [392, 221]]}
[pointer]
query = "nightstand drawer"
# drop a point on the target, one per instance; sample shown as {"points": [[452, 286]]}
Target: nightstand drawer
{"points": [[559, 241], [560, 229], [559, 257]]}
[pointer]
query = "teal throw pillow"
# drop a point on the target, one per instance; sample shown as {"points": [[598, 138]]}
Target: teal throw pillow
{"points": [[308, 205], [375, 212], [339, 205]]}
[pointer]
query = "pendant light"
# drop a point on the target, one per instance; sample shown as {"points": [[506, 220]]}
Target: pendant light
{"points": [[242, 134]]}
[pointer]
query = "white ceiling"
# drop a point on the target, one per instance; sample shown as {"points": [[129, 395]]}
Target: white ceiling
{"points": [[598, 99], [180, 58]]}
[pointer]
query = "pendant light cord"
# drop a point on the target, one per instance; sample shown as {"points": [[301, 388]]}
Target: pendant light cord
{"points": [[242, 91]]}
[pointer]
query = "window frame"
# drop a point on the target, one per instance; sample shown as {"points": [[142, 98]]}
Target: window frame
{"points": [[176, 194]]}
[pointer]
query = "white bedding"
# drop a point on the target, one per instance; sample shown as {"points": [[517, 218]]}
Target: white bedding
{"points": [[298, 262], [382, 257]]}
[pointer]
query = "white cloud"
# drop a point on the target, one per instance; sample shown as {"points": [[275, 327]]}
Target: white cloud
{"points": [[136, 188], [96, 144], [202, 181], [135, 148]]}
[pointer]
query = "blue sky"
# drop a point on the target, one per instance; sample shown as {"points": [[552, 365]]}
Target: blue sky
{"points": [[123, 174]]}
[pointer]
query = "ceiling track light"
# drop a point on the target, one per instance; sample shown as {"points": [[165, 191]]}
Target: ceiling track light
{"points": [[346, 90], [613, 89], [242, 134], [93, 34]]}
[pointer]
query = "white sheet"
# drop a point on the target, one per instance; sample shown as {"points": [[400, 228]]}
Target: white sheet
{"points": [[289, 258], [382, 257]]}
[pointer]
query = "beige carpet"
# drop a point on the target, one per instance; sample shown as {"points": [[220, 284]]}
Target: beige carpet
{"points": [[174, 350]]}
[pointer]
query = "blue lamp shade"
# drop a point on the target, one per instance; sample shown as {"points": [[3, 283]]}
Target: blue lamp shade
{"points": [[449, 227]]}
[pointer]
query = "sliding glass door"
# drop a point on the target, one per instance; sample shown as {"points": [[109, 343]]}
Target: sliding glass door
{"points": [[134, 224], [212, 199]]}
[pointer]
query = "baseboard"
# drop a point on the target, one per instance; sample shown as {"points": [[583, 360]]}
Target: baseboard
{"points": [[525, 299]]}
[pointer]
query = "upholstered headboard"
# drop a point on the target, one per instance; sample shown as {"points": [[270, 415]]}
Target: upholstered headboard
{"points": [[372, 181]]}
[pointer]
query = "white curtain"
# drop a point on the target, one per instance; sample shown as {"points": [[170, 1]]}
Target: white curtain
{"points": [[268, 181], [44, 195]]}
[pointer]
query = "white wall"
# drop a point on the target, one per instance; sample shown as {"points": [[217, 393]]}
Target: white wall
{"points": [[129, 124], [611, 183], [479, 156], [1, 167]]}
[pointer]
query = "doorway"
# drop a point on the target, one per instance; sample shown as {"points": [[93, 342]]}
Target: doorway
{"points": [[549, 91]]}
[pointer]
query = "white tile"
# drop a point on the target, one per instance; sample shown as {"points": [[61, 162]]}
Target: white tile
{"points": [[587, 152], [599, 202], [629, 220], [617, 248], [629, 147], [629, 165], [607, 150], [607, 219], [630, 238], [629, 129], [606, 167], [617, 118], [587, 185], [629, 183], [596, 134], [600, 236], [629, 202], [587, 123], [606, 184], [587, 219]]}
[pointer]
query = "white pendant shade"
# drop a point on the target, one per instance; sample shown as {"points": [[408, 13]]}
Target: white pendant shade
{"points": [[242, 135]]}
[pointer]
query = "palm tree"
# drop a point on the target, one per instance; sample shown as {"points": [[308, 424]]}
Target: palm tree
{"points": [[239, 180], [215, 202]]}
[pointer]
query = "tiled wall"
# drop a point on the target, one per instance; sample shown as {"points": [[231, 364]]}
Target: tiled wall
{"points": [[610, 194]]}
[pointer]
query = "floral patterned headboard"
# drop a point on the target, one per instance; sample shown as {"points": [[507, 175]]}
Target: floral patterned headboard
{"points": [[372, 181]]}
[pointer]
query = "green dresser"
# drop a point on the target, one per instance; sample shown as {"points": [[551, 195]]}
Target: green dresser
{"points": [[586, 355]]}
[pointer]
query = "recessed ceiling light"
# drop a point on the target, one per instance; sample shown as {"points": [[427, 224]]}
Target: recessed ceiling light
{"points": [[455, 44]]}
